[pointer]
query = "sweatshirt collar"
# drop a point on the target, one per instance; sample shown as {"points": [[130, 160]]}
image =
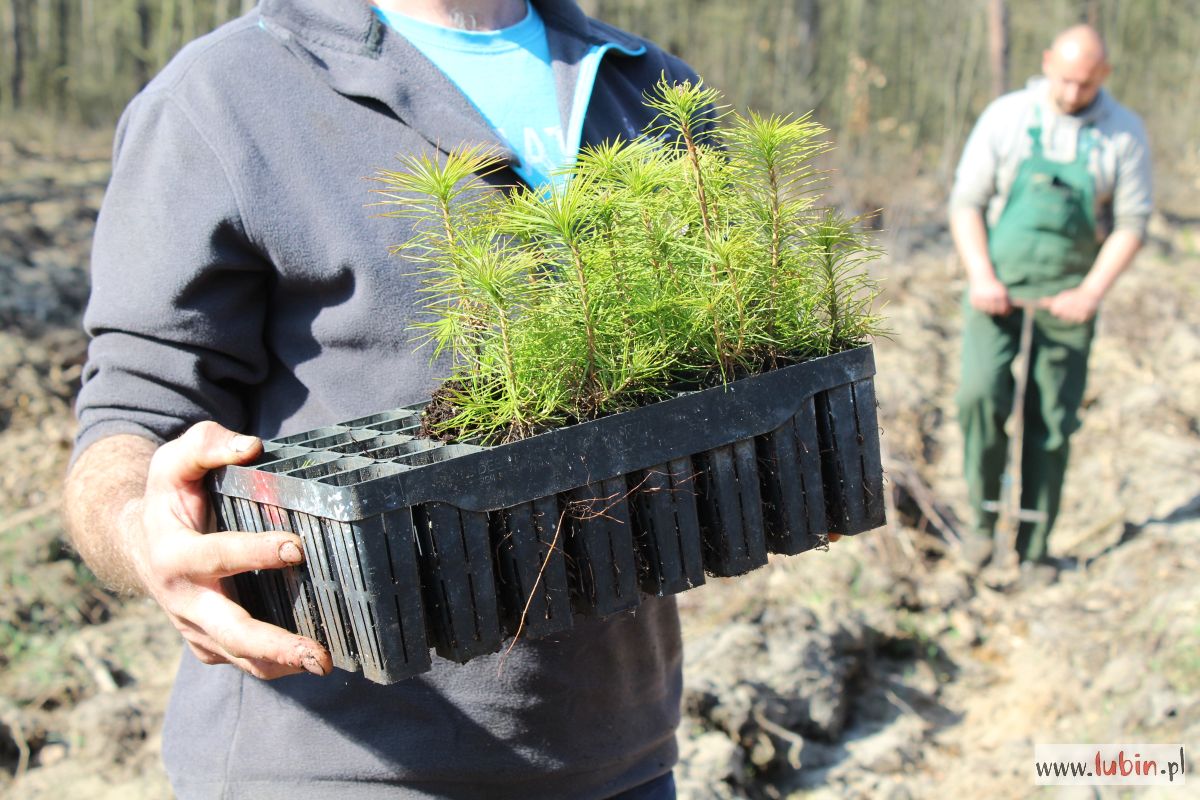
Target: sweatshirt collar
{"points": [[359, 56]]}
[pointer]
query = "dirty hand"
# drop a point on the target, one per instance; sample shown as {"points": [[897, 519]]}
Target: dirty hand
{"points": [[990, 296], [181, 568], [1076, 305]]}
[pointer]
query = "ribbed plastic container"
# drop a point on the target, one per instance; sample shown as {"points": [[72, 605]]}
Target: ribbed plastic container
{"points": [[411, 544]]}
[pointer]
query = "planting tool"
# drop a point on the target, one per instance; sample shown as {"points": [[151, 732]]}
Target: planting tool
{"points": [[1008, 505]]}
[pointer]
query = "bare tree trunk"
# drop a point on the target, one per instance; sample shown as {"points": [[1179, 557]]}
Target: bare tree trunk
{"points": [[166, 32], [62, 85], [17, 80], [141, 57], [800, 84], [998, 45]]}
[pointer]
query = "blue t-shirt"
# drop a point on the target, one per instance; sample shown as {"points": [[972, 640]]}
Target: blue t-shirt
{"points": [[507, 75]]}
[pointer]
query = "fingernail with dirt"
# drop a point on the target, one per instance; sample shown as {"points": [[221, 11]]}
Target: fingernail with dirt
{"points": [[310, 663], [241, 443], [289, 553]]}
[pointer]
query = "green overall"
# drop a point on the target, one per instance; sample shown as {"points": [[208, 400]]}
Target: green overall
{"points": [[1044, 242]]}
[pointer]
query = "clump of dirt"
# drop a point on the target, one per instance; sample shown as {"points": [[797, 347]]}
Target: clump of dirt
{"points": [[438, 413], [83, 674], [48, 210]]}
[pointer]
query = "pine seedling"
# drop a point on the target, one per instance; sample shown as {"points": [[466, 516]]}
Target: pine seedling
{"points": [[449, 203], [449, 192], [842, 289], [773, 165], [686, 113], [496, 282], [556, 224]]}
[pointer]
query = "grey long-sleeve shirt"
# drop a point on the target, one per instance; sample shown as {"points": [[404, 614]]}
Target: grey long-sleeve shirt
{"points": [[239, 275], [1119, 163]]}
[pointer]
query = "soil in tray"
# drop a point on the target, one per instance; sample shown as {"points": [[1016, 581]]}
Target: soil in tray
{"points": [[441, 408]]}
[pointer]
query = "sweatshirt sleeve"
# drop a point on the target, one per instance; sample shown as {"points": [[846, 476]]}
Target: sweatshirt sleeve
{"points": [[177, 309], [1133, 195], [975, 178]]}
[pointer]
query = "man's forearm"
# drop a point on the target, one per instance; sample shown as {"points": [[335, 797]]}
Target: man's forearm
{"points": [[1079, 304], [104, 485], [985, 292], [1114, 258], [970, 239]]}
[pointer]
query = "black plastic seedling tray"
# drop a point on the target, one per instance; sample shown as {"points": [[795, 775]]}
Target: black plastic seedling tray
{"points": [[411, 544]]}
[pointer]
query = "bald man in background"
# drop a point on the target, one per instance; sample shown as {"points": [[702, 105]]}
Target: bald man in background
{"points": [[1050, 205]]}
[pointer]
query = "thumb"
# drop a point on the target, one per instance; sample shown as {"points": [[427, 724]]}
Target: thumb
{"points": [[204, 446]]}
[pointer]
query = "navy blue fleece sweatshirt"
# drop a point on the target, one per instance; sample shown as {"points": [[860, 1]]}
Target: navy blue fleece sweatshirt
{"points": [[240, 275]]}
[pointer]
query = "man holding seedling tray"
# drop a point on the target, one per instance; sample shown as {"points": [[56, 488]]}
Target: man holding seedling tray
{"points": [[241, 290]]}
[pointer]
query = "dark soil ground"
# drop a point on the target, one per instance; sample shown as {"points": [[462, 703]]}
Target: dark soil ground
{"points": [[882, 668]]}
